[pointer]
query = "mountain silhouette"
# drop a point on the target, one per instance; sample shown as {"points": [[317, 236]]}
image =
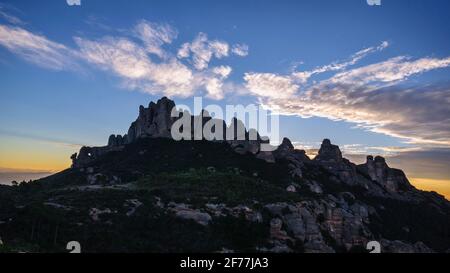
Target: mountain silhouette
{"points": [[145, 192]]}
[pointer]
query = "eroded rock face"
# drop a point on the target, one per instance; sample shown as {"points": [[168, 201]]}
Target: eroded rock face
{"points": [[330, 157], [154, 121], [117, 140], [285, 149], [87, 155], [294, 157], [327, 220], [300, 223], [393, 180]]}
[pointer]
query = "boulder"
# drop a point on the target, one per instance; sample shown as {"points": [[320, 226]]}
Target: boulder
{"points": [[184, 211]]}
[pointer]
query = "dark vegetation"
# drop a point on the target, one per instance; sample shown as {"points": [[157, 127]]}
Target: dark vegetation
{"points": [[194, 172]]}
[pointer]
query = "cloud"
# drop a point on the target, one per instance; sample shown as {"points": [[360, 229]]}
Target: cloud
{"points": [[267, 85], [130, 61], [429, 163], [133, 61], [223, 71], [121, 56], [5, 14], [270, 85], [10, 18], [304, 76], [240, 50], [392, 70], [139, 60], [416, 162], [41, 138], [155, 36], [417, 115], [202, 50], [171, 77], [369, 96], [37, 49]]}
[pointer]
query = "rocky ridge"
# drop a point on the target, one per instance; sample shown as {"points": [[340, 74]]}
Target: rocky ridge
{"points": [[282, 200]]}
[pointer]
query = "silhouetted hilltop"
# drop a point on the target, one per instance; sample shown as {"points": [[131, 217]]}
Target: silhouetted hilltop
{"points": [[145, 192]]}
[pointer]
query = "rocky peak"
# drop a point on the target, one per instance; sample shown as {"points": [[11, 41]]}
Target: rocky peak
{"points": [[154, 121], [393, 180], [286, 144], [116, 140], [329, 153], [286, 148]]}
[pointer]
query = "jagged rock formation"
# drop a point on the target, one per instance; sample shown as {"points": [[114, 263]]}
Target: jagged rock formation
{"points": [[156, 122], [294, 157], [377, 170], [153, 192], [329, 153], [330, 157], [393, 180]]}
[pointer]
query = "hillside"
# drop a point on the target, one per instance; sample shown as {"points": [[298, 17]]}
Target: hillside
{"points": [[145, 192]]}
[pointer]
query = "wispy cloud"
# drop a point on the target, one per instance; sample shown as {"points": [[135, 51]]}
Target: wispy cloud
{"points": [[366, 95], [417, 115], [271, 85], [10, 18], [392, 70], [130, 61], [6, 14], [268, 85], [304, 76], [240, 50], [202, 50], [369, 96], [46, 139], [37, 49], [155, 36], [132, 58]]}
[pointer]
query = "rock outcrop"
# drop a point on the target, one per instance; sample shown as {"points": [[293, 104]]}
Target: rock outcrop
{"points": [[294, 157], [330, 157], [329, 153], [393, 180], [329, 203], [156, 121]]}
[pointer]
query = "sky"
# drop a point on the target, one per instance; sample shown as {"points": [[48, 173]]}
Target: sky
{"points": [[372, 78]]}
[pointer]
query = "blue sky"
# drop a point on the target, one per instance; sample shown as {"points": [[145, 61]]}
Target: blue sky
{"points": [[372, 78]]}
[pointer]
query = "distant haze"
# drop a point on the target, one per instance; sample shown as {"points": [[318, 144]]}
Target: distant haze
{"points": [[7, 177]]}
